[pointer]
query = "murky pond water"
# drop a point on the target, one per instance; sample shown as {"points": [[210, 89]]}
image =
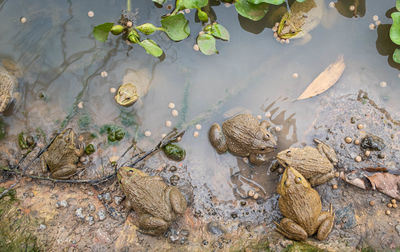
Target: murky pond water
{"points": [[62, 65]]}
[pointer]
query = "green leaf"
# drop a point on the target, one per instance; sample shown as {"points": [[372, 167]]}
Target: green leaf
{"points": [[194, 4], [147, 28], [251, 11], [101, 32], [300, 1], [160, 2], [134, 36], [398, 5], [206, 43], [151, 47], [219, 31], [203, 17], [176, 26], [395, 28], [396, 56], [274, 2]]}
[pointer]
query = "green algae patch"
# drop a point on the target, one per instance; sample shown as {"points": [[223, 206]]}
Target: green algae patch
{"points": [[302, 247], [16, 227]]}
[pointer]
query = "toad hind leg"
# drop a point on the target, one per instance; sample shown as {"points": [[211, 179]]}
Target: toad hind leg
{"points": [[318, 180], [152, 225], [291, 230], [326, 219]]}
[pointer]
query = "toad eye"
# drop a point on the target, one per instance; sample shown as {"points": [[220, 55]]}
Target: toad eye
{"points": [[298, 180], [130, 171], [288, 153]]}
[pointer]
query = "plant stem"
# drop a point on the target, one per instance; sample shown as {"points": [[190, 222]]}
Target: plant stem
{"points": [[128, 5]]}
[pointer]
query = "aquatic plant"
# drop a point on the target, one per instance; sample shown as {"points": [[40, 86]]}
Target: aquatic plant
{"points": [[395, 32], [114, 132], [176, 26]]}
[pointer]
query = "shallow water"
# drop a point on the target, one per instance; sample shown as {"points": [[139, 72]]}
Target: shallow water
{"points": [[252, 73]]}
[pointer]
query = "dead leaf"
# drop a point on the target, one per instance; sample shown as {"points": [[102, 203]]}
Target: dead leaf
{"points": [[386, 183], [324, 80], [355, 181]]}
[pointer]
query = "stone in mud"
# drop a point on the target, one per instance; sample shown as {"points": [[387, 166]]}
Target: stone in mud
{"points": [[346, 217], [372, 142], [215, 229]]}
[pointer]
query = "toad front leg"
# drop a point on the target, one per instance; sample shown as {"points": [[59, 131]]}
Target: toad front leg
{"points": [[152, 225], [217, 138], [291, 230], [177, 200], [326, 220], [64, 172]]}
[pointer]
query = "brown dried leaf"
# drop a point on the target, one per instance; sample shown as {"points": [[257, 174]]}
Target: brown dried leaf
{"points": [[386, 183], [324, 80]]}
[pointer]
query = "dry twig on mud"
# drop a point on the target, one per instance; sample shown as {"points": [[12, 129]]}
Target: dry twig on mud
{"points": [[171, 137]]}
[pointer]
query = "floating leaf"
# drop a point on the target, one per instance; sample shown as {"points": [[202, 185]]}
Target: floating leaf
{"points": [[101, 32], [251, 11], [324, 80], [151, 47], [396, 56], [300, 1], [219, 31], [395, 28], [160, 2], [194, 4], [147, 28], [202, 15], [386, 183], [176, 26], [206, 43], [274, 2]]}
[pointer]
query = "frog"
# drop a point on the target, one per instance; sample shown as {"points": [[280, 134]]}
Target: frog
{"points": [[301, 207], [9, 72], [62, 156], [243, 135], [315, 164], [126, 95], [300, 20], [156, 204]]}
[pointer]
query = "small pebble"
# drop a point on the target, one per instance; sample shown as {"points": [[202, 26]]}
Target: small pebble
{"points": [[352, 7], [387, 212], [92, 208], [259, 117], [383, 84], [178, 139], [282, 41], [196, 47], [201, 32], [147, 133], [398, 75], [268, 114], [79, 214], [372, 203], [246, 160], [80, 105], [118, 200], [274, 29], [113, 90], [332, 5], [334, 187], [358, 159], [275, 35], [173, 168], [277, 128], [23, 20], [174, 113], [104, 74], [367, 153], [82, 159], [393, 201], [242, 203], [337, 174], [295, 75], [129, 24], [381, 156], [114, 159], [90, 220], [280, 170], [377, 23], [163, 135], [287, 41], [389, 205], [394, 206], [198, 126], [169, 7], [101, 214], [107, 197], [348, 140], [278, 39], [171, 105], [250, 193], [277, 24], [375, 18], [168, 123], [360, 126], [227, 5], [187, 11], [90, 14], [42, 227], [371, 26], [196, 134], [256, 196], [357, 142]]}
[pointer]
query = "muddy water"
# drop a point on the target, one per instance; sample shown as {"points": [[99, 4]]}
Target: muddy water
{"points": [[62, 65]]}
